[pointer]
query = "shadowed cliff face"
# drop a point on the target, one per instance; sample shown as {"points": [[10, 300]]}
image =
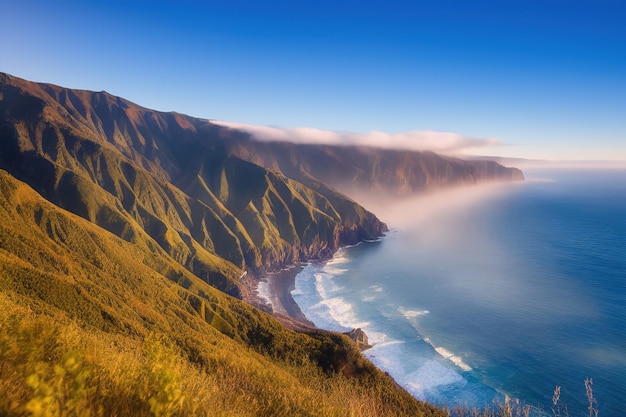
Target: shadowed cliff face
{"points": [[127, 168]]}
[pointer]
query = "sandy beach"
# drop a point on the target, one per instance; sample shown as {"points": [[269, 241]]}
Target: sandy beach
{"points": [[275, 289]]}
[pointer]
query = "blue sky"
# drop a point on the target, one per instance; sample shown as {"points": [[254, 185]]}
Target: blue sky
{"points": [[533, 79]]}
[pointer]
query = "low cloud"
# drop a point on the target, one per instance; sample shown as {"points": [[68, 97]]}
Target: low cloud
{"points": [[444, 142]]}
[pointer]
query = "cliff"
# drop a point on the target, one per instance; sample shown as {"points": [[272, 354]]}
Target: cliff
{"points": [[359, 337], [130, 169], [355, 170]]}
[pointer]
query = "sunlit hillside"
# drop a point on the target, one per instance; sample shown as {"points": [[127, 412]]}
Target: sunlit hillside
{"points": [[94, 325]]}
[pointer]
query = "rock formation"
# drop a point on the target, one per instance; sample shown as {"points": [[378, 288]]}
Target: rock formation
{"points": [[360, 338]]}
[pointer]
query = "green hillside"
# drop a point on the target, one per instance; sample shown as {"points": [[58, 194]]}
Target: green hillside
{"points": [[92, 324], [132, 170]]}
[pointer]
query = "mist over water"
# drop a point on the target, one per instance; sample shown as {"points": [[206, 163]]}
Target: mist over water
{"points": [[489, 291]]}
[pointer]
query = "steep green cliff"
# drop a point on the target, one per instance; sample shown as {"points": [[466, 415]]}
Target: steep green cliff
{"points": [[122, 166]]}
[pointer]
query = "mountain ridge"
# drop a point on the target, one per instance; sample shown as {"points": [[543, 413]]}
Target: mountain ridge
{"points": [[72, 145], [354, 170]]}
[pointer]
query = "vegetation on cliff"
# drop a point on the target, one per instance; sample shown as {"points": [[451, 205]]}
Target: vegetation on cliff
{"points": [[135, 171], [355, 170]]}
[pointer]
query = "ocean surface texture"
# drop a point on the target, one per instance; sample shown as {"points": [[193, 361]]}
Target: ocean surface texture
{"points": [[492, 291]]}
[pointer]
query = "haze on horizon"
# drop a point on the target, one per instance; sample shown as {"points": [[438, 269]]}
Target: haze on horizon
{"points": [[520, 79], [445, 143]]}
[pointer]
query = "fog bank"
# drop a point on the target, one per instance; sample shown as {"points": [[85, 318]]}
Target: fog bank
{"points": [[417, 140]]}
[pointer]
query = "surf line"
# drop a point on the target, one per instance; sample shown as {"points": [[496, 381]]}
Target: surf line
{"points": [[446, 354]]}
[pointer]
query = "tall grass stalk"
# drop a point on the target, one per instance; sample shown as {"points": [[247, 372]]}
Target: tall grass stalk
{"points": [[556, 397], [589, 390]]}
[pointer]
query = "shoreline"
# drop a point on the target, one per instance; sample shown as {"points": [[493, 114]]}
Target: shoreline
{"points": [[273, 292]]}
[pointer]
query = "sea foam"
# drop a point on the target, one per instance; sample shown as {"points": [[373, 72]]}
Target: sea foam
{"points": [[411, 314], [432, 375], [457, 360], [263, 291], [320, 298], [327, 299], [418, 372]]}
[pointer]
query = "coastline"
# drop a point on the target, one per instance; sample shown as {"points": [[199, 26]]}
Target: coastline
{"points": [[273, 292]]}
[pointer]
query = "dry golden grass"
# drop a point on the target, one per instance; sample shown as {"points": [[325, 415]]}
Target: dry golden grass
{"points": [[50, 366]]}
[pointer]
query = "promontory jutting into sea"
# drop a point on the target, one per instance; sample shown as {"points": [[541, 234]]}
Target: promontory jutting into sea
{"points": [[492, 291]]}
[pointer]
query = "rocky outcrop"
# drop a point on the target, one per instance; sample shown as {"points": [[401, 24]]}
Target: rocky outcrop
{"points": [[360, 338]]}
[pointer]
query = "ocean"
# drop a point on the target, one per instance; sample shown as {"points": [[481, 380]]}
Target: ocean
{"points": [[493, 291]]}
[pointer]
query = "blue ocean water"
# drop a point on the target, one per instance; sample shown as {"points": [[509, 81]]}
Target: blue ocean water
{"points": [[486, 292]]}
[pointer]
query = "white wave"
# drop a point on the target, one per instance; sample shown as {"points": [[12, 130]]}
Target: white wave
{"points": [[455, 359], [382, 342], [417, 373], [334, 266], [411, 314], [263, 291], [343, 313], [319, 299], [386, 356], [325, 286], [339, 258], [334, 271]]}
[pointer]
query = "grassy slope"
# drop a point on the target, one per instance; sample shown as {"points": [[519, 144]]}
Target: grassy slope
{"points": [[90, 323]]}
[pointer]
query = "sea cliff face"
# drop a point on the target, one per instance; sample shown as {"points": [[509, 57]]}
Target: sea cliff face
{"points": [[360, 339], [130, 169]]}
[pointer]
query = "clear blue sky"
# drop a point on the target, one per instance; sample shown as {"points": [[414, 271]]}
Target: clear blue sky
{"points": [[547, 78]]}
